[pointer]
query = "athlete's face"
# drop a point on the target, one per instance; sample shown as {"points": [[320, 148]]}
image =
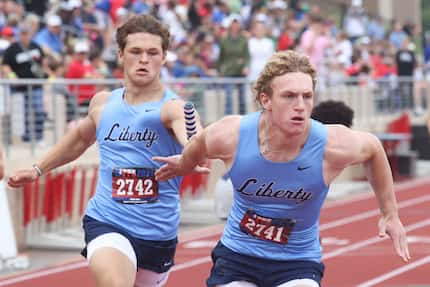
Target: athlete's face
{"points": [[291, 103], [142, 58]]}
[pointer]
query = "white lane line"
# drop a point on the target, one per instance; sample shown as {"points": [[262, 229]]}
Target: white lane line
{"points": [[371, 213], [202, 260], [334, 253], [196, 235], [213, 230], [371, 241], [191, 263], [200, 233], [395, 272], [398, 187], [216, 229], [42, 273]]}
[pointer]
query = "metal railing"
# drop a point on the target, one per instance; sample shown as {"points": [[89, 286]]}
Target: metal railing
{"points": [[36, 112], [45, 217]]}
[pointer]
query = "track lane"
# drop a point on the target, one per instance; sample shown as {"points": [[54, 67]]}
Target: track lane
{"points": [[370, 265], [349, 266], [193, 264]]}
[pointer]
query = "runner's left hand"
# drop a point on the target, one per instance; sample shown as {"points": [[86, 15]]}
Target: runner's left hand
{"points": [[393, 227]]}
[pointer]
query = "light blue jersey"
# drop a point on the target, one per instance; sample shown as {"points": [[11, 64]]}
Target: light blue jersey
{"points": [[128, 137], [278, 190]]}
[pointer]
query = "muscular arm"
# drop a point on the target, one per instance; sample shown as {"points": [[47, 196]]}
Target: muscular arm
{"points": [[76, 141], [346, 147], [70, 147], [217, 141], [172, 116]]}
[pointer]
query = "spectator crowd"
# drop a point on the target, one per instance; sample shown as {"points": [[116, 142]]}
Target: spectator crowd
{"points": [[211, 38]]}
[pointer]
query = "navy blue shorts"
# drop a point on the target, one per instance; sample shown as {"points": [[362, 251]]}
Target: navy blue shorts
{"points": [[152, 255], [229, 266]]}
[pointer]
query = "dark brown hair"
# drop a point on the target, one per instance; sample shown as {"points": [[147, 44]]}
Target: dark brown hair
{"points": [[143, 23], [333, 112]]}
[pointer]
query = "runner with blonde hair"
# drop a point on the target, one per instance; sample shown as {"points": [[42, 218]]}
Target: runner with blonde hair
{"points": [[281, 164]]}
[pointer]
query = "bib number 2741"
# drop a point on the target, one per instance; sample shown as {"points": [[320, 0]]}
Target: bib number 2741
{"points": [[134, 185], [265, 228]]}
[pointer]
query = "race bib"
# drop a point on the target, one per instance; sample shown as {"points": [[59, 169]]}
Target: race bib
{"points": [[134, 185], [272, 229]]}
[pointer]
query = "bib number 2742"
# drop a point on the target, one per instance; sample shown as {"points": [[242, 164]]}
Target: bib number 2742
{"points": [[134, 185]]}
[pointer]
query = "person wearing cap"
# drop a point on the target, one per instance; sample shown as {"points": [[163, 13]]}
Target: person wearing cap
{"points": [[260, 47], [81, 68], [49, 38], [7, 38], [131, 222], [278, 16], [7, 31], [76, 21], [354, 22], [25, 59], [233, 60]]}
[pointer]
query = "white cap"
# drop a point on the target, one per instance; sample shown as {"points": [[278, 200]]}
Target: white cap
{"points": [[181, 11], [261, 17], [65, 6], [121, 12], [357, 3], [278, 4], [226, 22], [74, 4], [81, 46], [171, 57], [53, 20], [364, 40]]}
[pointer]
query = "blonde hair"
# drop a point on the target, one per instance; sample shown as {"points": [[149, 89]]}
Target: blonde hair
{"points": [[279, 64]]}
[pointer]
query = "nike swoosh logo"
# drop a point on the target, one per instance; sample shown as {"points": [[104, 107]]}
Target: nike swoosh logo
{"points": [[149, 110], [303, 167]]}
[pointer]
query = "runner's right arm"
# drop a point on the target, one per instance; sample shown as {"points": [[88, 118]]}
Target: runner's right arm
{"points": [[217, 141], [71, 146], [68, 148]]}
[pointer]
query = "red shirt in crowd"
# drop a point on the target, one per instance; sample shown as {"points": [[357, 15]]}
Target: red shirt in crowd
{"points": [[81, 70]]}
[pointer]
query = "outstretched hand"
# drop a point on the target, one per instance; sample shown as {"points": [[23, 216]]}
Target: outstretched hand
{"points": [[21, 177], [393, 227], [173, 167]]}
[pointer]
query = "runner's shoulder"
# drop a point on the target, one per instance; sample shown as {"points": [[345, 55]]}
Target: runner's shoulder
{"points": [[100, 98]]}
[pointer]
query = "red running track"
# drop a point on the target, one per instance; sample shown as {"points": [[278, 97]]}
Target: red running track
{"points": [[353, 254]]}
